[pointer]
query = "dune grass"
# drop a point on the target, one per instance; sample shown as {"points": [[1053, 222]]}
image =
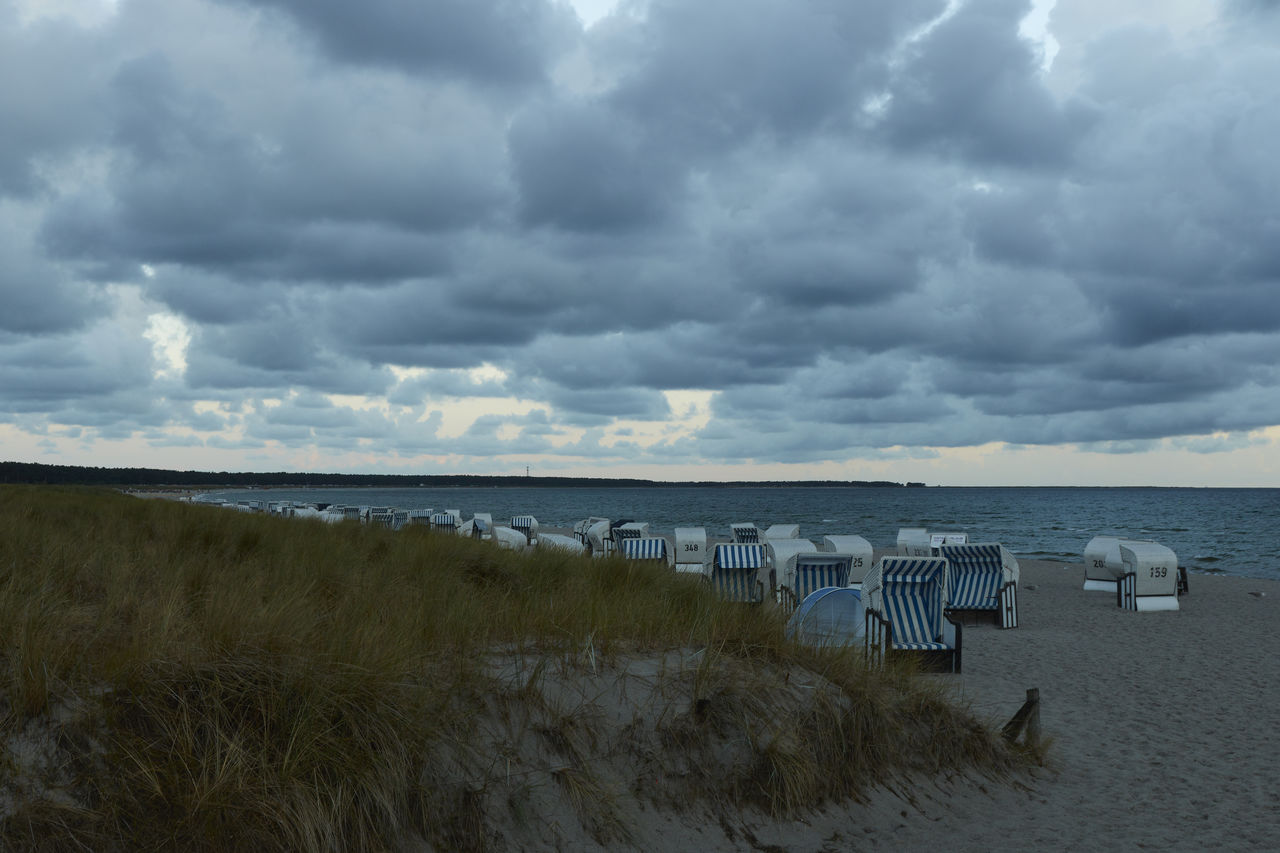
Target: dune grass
{"points": [[217, 680]]}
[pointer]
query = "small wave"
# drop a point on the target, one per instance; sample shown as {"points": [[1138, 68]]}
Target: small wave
{"points": [[1206, 559]]}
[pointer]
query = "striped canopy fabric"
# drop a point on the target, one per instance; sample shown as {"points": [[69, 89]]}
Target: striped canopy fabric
{"points": [[746, 533], [444, 519], [974, 577], [644, 549], [739, 556], [622, 533], [523, 522], [815, 571], [911, 596]]}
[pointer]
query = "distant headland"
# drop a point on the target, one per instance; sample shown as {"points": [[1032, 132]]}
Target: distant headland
{"points": [[34, 472]]}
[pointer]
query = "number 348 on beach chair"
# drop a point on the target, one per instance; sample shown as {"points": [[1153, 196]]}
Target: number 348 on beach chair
{"points": [[906, 613]]}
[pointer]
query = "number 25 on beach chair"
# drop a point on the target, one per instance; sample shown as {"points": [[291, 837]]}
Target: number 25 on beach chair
{"points": [[906, 613]]}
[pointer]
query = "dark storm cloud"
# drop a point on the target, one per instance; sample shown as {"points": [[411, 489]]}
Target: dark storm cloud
{"points": [[509, 42], [867, 227], [969, 88]]}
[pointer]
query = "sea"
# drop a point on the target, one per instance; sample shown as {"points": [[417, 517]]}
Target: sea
{"points": [[1226, 531]]}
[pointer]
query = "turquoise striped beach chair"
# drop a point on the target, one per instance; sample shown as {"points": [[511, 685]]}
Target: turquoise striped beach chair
{"points": [[735, 572], [811, 573], [982, 581], [906, 613]]}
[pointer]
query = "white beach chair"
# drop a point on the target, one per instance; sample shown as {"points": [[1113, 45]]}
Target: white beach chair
{"points": [[1102, 564], [913, 542], [560, 542], [858, 548], [906, 613], [691, 550], [782, 531], [1150, 580], [512, 540], [982, 579]]}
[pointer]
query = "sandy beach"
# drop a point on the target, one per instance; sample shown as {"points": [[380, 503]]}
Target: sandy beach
{"points": [[1165, 728]]}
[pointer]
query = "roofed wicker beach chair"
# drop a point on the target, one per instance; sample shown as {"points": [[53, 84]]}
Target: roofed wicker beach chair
{"points": [[906, 613], [781, 531], [781, 556], [982, 580], [744, 532], [913, 542], [735, 572], [651, 548], [528, 525], [1151, 578], [445, 522], [1102, 564], [856, 547], [811, 572], [382, 515], [691, 550]]}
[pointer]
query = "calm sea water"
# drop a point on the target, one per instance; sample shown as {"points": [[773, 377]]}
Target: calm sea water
{"points": [[1232, 531]]}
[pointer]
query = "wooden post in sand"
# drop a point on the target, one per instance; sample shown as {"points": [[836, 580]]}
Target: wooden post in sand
{"points": [[1027, 717]]}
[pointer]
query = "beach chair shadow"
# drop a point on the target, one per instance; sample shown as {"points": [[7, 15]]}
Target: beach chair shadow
{"points": [[906, 614], [982, 583]]}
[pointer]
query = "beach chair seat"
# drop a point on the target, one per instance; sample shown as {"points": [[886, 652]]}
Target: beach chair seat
{"points": [[906, 613], [735, 572], [982, 582]]}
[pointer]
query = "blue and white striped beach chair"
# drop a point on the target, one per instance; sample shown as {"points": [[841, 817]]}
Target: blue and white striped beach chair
{"points": [[906, 600], [446, 522], [651, 548], [735, 572], [811, 573], [528, 525], [745, 533], [982, 578]]}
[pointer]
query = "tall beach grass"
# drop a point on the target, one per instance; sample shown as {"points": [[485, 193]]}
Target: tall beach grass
{"points": [[179, 676]]}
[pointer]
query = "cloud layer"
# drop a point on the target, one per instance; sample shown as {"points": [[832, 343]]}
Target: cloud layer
{"points": [[456, 231]]}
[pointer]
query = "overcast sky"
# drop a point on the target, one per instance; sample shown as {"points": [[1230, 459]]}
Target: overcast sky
{"points": [[958, 242]]}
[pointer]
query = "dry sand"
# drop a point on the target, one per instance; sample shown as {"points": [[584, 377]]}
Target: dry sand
{"points": [[1165, 727]]}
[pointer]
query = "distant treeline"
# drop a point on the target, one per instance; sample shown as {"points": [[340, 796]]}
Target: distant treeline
{"points": [[34, 472]]}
